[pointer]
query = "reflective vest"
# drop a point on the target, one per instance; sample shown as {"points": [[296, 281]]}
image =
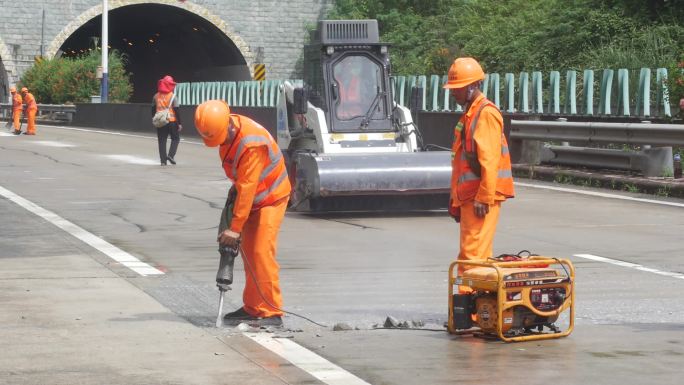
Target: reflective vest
{"points": [[163, 101], [274, 184], [17, 102], [466, 166], [30, 102]]}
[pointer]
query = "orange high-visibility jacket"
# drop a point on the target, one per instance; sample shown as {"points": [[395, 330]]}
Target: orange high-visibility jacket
{"points": [[163, 101], [17, 101], [30, 102], [254, 163], [479, 135]]}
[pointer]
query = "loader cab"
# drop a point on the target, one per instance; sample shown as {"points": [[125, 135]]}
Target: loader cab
{"points": [[347, 75]]}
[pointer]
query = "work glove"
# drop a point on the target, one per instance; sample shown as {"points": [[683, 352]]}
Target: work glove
{"points": [[180, 127], [454, 211]]}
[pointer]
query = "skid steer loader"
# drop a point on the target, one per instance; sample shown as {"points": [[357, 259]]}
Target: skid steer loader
{"points": [[348, 146]]}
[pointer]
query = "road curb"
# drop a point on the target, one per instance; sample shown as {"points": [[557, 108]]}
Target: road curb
{"points": [[663, 186]]}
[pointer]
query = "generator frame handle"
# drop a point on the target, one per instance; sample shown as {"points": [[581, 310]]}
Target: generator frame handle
{"points": [[501, 292]]}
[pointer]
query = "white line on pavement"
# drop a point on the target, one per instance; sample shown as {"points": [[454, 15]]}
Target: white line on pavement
{"points": [[116, 133], [6, 134], [629, 265], [91, 239], [51, 143], [599, 194], [132, 159], [307, 360]]}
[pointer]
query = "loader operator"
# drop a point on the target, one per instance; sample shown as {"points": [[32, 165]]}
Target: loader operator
{"points": [[17, 106], [253, 162], [481, 175]]}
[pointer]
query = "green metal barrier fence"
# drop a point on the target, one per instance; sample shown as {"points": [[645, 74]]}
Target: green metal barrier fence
{"points": [[541, 95]]}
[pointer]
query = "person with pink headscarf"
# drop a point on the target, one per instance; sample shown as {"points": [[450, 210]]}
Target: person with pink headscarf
{"points": [[163, 99]]}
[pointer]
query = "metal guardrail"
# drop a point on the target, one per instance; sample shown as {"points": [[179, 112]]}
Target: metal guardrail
{"points": [[55, 112], [600, 132]]}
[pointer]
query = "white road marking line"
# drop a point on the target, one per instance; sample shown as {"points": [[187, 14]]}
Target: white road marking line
{"points": [[51, 143], [630, 265], [116, 133], [132, 159], [7, 134], [94, 241], [599, 194], [307, 360]]}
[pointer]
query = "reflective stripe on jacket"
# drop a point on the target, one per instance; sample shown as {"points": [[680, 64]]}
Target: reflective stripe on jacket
{"points": [[481, 166], [162, 101], [272, 181]]}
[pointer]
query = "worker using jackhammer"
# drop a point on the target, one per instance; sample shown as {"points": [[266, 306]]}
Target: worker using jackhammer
{"points": [[17, 106], [481, 175], [253, 162]]}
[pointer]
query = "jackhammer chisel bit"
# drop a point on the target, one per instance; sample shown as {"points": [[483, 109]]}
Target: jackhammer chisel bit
{"points": [[224, 277]]}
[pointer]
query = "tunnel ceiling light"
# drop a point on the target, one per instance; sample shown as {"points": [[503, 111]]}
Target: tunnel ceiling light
{"points": [[129, 43], [124, 39], [195, 29], [151, 40], [156, 34]]}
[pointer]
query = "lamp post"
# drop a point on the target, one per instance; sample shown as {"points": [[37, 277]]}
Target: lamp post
{"points": [[104, 88]]}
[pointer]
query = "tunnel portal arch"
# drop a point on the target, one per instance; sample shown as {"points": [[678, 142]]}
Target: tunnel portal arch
{"points": [[161, 37], [6, 67]]}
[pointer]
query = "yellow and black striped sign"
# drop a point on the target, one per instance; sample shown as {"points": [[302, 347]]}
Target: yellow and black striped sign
{"points": [[260, 72]]}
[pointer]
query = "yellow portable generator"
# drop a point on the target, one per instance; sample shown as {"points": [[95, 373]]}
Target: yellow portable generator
{"points": [[512, 297]]}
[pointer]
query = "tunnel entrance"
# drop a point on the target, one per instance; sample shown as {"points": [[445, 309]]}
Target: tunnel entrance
{"points": [[4, 84], [160, 40]]}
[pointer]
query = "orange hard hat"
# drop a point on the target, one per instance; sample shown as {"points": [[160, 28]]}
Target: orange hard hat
{"points": [[463, 72], [24, 90], [13, 89], [211, 121]]}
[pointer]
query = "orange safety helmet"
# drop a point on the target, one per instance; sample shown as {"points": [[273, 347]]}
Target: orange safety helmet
{"points": [[24, 90], [463, 72], [211, 120], [13, 90]]}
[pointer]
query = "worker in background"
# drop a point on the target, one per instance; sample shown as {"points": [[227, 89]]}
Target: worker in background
{"points": [[17, 105], [481, 175], [253, 162], [31, 111], [161, 101]]}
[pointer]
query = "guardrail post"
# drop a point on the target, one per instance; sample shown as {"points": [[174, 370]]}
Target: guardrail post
{"points": [[537, 102], [401, 90], [495, 89], [643, 106], [484, 86], [434, 92], [554, 92], [588, 90], [523, 89], [606, 92], [623, 92], [509, 92], [422, 82], [662, 94], [570, 93], [446, 95]]}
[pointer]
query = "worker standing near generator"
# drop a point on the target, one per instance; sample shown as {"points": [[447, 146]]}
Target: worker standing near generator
{"points": [[481, 165], [31, 111], [253, 162], [17, 106]]}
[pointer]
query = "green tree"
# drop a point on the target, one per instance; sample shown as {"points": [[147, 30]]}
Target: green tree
{"points": [[64, 80]]}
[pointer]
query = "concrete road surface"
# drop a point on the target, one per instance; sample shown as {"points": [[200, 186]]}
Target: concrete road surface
{"points": [[107, 263]]}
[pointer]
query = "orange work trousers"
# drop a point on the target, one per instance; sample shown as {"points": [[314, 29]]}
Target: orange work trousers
{"points": [[259, 243], [477, 236], [17, 119], [31, 119]]}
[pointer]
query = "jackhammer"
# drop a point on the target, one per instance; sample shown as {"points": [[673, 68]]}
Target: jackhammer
{"points": [[224, 275]]}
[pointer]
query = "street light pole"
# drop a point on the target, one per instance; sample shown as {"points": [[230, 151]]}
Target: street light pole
{"points": [[104, 88]]}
